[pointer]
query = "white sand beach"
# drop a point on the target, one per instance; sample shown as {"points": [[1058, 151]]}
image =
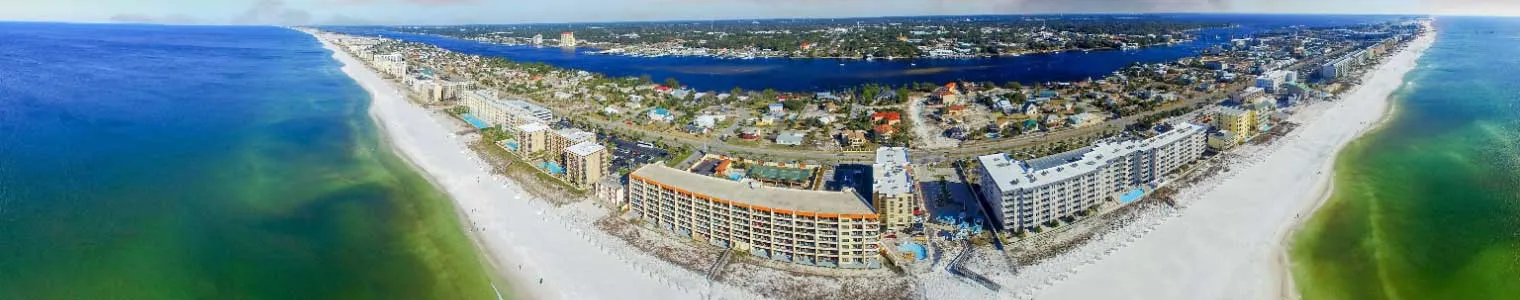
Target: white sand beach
{"points": [[525, 238], [1229, 240], [1225, 240]]}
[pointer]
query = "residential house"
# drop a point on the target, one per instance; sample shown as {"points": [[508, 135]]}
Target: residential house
{"points": [[854, 138], [884, 131], [660, 114], [790, 138], [889, 117]]}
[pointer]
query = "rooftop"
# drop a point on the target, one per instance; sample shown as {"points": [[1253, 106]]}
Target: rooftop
{"points": [[575, 134], [754, 194], [1010, 174], [585, 149], [779, 173], [532, 127], [890, 173]]}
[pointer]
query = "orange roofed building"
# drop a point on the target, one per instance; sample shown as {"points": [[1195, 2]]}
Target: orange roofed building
{"points": [[814, 228], [891, 117]]}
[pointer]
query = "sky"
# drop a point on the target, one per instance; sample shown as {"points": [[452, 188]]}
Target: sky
{"points": [[389, 12]]}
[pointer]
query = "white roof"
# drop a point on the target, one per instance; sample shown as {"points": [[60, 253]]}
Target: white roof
{"points": [[747, 192], [585, 148], [890, 173], [1010, 174], [575, 135], [532, 127]]}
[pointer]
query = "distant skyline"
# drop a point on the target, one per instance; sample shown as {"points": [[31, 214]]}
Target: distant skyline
{"points": [[429, 12]]}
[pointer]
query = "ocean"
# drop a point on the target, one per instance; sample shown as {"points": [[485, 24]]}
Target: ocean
{"points": [[183, 162], [804, 75], [1428, 206]]}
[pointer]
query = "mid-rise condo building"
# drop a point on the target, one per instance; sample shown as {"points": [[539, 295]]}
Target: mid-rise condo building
{"points": [[807, 227], [585, 163], [1024, 194], [893, 192]]}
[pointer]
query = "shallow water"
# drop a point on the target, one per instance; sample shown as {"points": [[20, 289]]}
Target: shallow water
{"points": [[168, 162], [1428, 207]]}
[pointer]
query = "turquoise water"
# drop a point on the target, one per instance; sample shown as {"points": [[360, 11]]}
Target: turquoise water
{"points": [[1428, 207], [162, 162]]}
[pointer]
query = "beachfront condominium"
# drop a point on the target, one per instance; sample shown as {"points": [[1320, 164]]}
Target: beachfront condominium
{"points": [[487, 107], [1025, 194], [817, 228], [529, 138], [393, 64], [446, 90], [585, 163], [1240, 122], [562, 139], [893, 192]]}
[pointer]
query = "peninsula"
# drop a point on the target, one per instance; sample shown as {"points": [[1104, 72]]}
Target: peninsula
{"points": [[647, 199]]}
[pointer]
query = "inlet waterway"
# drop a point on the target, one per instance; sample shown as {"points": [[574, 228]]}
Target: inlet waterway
{"points": [[705, 73]]}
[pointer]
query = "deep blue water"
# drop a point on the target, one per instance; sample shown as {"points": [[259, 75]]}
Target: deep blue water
{"points": [[831, 74], [175, 162]]}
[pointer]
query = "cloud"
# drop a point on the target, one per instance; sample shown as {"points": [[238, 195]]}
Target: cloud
{"points": [[1472, 7], [416, 2], [272, 12]]}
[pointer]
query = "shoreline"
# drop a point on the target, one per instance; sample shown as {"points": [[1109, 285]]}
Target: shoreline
{"points": [[1327, 190], [567, 263], [1229, 238], [514, 280]]}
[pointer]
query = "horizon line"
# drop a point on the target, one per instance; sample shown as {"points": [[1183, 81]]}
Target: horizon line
{"points": [[773, 19]]}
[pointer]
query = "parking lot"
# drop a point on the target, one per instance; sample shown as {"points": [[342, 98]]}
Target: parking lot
{"points": [[853, 176], [629, 154]]}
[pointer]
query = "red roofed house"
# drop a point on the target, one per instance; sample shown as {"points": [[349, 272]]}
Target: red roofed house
{"points": [[891, 117], [884, 131]]}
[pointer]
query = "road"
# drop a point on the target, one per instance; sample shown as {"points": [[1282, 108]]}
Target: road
{"points": [[965, 150]]}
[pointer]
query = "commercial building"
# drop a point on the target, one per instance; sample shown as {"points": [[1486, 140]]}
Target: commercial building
{"points": [[1025, 194], [806, 227], [893, 191], [585, 163]]}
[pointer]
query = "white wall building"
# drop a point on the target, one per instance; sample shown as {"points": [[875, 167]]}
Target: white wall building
{"points": [[1025, 194], [488, 108], [393, 64]]}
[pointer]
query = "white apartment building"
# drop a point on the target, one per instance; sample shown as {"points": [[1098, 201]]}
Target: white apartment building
{"points": [[487, 107], [893, 191], [393, 64], [1024, 194]]}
